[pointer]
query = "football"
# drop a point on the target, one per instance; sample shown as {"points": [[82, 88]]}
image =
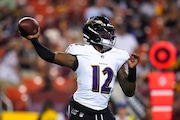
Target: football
{"points": [[28, 26]]}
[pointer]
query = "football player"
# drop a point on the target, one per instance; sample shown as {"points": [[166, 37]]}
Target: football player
{"points": [[97, 64]]}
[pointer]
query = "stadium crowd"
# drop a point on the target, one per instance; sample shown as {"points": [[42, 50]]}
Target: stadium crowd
{"points": [[139, 24]]}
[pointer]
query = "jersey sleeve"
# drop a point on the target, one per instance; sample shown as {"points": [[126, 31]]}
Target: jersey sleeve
{"points": [[122, 58], [71, 49], [126, 57], [75, 49]]}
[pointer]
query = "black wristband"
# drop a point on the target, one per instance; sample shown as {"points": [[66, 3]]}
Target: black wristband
{"points": [[132, 75], [42, 51]]}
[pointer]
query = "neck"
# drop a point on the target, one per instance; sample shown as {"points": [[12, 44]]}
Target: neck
{"points": [[98, 48]]}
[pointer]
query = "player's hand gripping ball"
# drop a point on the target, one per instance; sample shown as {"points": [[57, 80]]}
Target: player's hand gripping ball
{"points": [[28, 26]]}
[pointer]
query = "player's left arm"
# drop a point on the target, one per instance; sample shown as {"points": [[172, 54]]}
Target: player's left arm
{"points": [[128, 81]]}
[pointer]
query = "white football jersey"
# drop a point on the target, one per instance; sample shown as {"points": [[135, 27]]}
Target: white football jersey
{"points": [[96, 74]]}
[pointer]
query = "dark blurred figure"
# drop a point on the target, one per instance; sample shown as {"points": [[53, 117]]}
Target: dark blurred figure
{"points": [[148, 112], [48, 112], [50, 93], [137, 28], [27, 59]]}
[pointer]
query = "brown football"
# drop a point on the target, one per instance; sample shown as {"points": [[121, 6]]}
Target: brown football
{"points": [[28, 26]]}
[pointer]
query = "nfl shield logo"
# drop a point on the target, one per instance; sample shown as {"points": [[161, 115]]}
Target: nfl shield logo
{"points": [[81, 114]]}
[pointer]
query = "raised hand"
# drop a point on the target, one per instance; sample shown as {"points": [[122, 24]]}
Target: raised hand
{"points": [[29, 37], [133, 60]]}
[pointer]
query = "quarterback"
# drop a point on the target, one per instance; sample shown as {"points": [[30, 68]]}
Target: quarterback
{"points": [[97, 65]]}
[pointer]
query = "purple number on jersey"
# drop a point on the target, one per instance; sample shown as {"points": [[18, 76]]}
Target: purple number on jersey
{"points": [[105, 87]]}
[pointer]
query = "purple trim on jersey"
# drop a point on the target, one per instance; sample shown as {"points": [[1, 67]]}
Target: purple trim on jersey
{"points": [[105, 88], [95, 85]]}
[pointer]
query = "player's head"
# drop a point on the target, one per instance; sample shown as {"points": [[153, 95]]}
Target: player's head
{"points": [[99, 30]]}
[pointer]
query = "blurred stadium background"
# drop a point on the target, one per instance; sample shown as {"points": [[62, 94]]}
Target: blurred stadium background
{"points": [[27, 82]]}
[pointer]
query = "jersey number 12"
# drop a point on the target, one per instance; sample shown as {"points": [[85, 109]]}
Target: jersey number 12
{"points": [[96, 79]]}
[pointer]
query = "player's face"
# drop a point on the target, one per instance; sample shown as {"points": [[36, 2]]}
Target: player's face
{"points": [[106, 32]]}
